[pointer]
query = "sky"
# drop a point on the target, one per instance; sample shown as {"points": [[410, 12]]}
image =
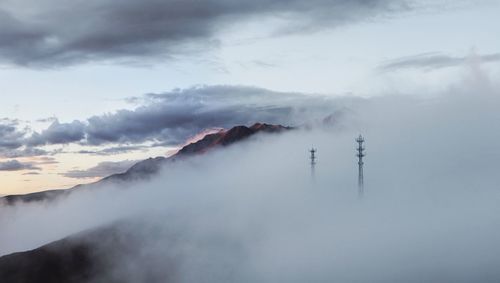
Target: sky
{"points": [[89, 89]]}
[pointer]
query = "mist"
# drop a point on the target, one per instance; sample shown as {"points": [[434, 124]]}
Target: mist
{"points": [[251, 212]]}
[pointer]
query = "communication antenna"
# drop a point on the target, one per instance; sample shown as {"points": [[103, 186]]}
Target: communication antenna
{"points": [[313, 162], [361, 153]]}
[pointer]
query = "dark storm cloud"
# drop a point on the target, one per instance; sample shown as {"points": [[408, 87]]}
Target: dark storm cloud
{"points": [[103, 169], [432, 61], [14, 165], [54, 33]]}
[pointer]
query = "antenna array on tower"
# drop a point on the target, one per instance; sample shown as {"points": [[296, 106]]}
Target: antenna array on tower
{"points": [[361, 153], [313, 162]]}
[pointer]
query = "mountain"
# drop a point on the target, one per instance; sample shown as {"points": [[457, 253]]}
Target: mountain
{"points": [[225, 138], [209, 142], [76, 259], [147, 168], [66, 260], [90, 255]]}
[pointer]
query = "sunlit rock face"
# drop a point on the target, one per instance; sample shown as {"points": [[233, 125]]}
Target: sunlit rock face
{"points": [[223, 138]]}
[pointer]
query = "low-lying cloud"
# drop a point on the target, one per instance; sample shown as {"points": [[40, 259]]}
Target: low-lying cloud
{"points": [[251, 213], [103, 169]]}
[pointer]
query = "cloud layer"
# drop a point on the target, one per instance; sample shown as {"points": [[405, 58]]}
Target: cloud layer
{"points": [[251, 213], [58, 133], [434, 60], [15, 165], [171, 118], [101, 170], [11, 135], [174, 116], [52, 33]]}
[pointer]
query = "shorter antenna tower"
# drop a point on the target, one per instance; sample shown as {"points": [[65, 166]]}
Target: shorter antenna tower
{"points": [[313, 162], [361, 153]]}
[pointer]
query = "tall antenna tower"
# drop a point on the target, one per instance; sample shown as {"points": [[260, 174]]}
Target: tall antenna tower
{"points": [[313, 162], [361, 153]]}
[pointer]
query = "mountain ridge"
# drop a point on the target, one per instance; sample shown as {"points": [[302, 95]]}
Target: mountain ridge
{"points": [[148, 167]]}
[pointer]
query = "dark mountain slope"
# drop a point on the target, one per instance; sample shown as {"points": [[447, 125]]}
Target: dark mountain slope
{"points": [[90, 256], [62, 261]]}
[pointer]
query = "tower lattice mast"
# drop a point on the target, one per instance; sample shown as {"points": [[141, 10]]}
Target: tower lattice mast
{"points": [[361, 153], [313, 162]]}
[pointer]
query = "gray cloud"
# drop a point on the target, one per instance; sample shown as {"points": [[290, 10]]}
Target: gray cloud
{"points": [[58, 133], [11, 137], [24, 152], [53, 33], [15, 141], [31, 173], [174, 116], [434, 60], [12, 141], [15, 165], [46, 160], [114, 150], [103, 169], [169, 119]]}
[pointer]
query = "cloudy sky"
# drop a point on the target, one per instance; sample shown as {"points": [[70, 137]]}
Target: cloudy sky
{"points": [[90, 87]]}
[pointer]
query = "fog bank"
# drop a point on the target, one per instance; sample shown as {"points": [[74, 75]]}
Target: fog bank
{"points": [[251, 213]]}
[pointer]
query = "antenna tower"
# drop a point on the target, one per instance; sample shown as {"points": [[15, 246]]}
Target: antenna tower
{"points": [[313, 162], [361, 153]]}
